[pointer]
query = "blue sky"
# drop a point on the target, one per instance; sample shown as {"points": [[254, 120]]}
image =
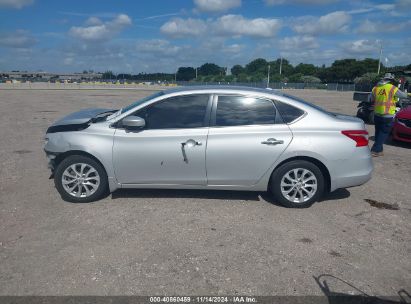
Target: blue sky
{"points": [[162, 35]]}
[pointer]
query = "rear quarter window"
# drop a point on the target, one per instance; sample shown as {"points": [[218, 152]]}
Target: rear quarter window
{"points": [[288, 113]]}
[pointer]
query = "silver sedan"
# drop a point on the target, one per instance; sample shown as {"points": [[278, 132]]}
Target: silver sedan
{"points": [[228, 138]]}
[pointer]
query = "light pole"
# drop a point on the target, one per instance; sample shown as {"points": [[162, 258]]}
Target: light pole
{"points": [[281, 64], [268, 76], [379, 60]]}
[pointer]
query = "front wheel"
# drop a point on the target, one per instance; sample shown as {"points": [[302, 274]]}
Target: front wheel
{"points": [[297, 184], [80, 179]]}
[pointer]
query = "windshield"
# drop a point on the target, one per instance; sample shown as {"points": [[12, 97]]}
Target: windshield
{"points": [[141, 101], [308, 104]]}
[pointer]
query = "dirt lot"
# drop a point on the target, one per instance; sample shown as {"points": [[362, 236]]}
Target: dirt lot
{"points": [[190, 242]]}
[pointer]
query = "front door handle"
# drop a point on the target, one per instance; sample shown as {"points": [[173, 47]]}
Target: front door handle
{"points": [[189, 144], [272, 142]]}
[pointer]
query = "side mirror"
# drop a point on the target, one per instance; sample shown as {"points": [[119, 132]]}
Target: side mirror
{"points": [[133, 122]]}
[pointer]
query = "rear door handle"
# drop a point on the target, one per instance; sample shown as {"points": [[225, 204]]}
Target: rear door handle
{"points": [[272, 142]]}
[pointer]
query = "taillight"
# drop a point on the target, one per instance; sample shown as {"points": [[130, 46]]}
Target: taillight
{"points": [[359, 136]]}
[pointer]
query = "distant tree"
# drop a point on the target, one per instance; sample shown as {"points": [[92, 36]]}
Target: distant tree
{"points": [[286, 68], [186, 73], [346, 70], [257, 65], [295, 77], [367, 78], [243, 77], [108, 75], [210, 69], [310, 79], [229, 78], [276, 77], [369, 65], [123, 76], [153, 77], [237, 70], [258, 77], [305, 69], [208, 78], [220, 78]]}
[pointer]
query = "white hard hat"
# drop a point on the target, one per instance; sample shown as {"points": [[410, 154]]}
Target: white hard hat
{"points": [[389, 76]]}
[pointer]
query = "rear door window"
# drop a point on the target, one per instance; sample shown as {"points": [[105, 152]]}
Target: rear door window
{"points": [[243, 110]]}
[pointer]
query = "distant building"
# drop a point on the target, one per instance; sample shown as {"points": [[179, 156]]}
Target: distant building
{"points": [[46, 76]]}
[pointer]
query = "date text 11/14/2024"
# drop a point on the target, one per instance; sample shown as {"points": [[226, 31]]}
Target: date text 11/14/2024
{"points": [[203, 299]]}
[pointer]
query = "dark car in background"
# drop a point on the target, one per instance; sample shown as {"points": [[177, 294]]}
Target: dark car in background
{"points": [[401, 129]]}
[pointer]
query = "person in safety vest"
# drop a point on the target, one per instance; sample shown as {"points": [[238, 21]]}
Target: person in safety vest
{"points": [[385, 95]]}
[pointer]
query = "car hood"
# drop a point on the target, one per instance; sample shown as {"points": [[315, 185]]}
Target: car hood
{"points": [[404, 113], [80, 117]]}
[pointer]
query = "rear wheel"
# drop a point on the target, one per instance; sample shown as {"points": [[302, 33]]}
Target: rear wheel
{"points": [[297, 184], [80, 179]]}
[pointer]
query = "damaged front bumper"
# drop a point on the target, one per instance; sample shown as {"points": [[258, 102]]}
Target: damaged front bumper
{"points": [[51, 161]]}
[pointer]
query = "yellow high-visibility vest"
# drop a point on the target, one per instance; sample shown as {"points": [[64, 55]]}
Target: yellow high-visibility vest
{"points": [[384, 98]]}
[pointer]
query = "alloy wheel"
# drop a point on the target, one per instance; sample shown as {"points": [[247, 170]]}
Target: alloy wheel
{"points": [[299, 185], [80, 180]]}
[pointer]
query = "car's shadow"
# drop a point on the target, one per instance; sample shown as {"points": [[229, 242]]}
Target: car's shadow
{"points": [[394, 143], [214, 194], [330, 284]]}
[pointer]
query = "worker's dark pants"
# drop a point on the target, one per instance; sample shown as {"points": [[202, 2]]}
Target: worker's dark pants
{"points": [[382, 130]]}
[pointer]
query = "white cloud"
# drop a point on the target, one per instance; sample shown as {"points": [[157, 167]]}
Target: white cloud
{"points": [[94, 21], [102, 31], [298, 43], [336, 22], [227, 25], [237, 25], [397, 8], [385, 7], [403, 3], [17, 39], [15, 3], [179, 27], [157, 47], [68, 60], [367, 27], [233, 48], [216, 5], [361, 47], [308, 2]]}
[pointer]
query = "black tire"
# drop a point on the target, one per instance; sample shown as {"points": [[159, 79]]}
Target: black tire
{"points": [[371, 118], [97, 194], [280, 172], [360, 114]]}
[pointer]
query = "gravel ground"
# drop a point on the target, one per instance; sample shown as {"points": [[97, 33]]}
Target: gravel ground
{"points": [[154, 242]]}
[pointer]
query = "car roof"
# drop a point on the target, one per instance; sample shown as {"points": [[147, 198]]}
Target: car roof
{"points": [[223, 89]]}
